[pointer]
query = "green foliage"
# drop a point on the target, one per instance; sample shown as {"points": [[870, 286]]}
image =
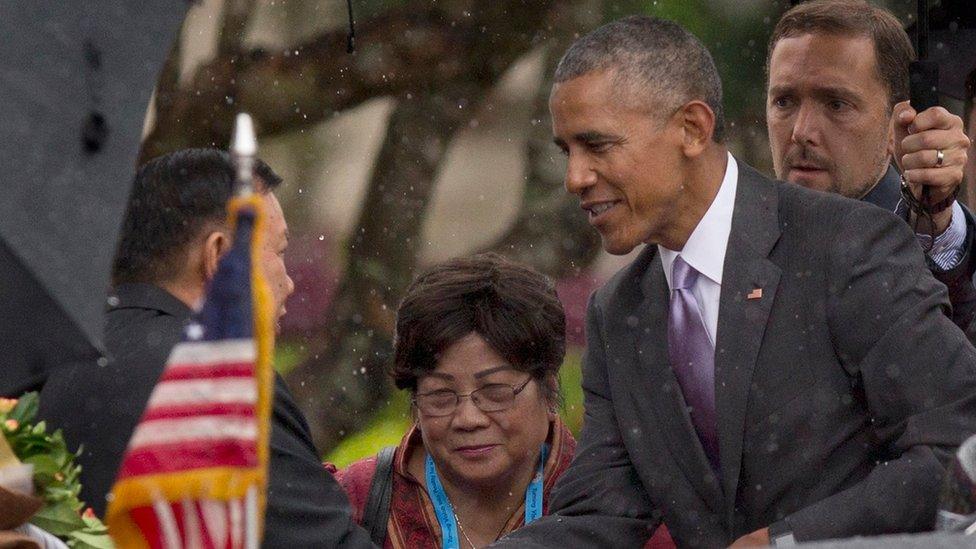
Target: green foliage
{"points": [[570, 379], [391, 421], [288, 355], [384, 429], [737, 40], [56, 477]]}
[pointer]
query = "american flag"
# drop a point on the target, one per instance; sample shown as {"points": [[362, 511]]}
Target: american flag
{"points": [[194, 474]]}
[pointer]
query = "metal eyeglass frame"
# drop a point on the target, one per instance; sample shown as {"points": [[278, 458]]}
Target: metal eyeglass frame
{"points": [[516, 389]]}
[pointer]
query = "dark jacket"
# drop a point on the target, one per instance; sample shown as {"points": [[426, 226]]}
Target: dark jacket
{"points": [[959, 280], [841, 390], [98, 406]]}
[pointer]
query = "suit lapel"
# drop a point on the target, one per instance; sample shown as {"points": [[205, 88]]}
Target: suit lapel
{"points": [[749, 284], [654, 389]]}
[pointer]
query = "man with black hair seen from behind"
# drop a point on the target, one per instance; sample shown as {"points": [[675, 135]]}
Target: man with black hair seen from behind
{"points": [[173, 236]]}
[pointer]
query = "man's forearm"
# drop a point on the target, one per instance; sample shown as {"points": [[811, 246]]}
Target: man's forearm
{"points": [[898, 496]]}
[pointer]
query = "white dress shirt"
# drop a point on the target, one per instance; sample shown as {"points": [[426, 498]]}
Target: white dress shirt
{"points": [[705, 249]]}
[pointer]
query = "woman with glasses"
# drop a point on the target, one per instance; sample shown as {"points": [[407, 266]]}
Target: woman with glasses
{"points": [[479, 342]]}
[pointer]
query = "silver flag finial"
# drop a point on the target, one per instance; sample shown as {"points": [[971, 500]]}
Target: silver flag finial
{"points": [[243, 148]]}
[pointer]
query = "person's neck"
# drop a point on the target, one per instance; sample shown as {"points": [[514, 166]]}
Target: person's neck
{"points": [[703, 179], [883, 171], [483, 510], [189, 293]]}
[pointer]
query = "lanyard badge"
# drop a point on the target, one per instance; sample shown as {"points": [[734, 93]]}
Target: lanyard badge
{"points": [[445, 511]]}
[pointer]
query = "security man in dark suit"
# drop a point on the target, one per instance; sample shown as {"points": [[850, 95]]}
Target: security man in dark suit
{"points": [[775, 365], [839, 120], [173, 236]]}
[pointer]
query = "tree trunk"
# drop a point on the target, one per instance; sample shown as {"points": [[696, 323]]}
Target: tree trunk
{"points": [[345, 377], [551, 233]]}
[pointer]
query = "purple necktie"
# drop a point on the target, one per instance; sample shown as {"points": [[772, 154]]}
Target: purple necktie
{"points": [[693, 356]]}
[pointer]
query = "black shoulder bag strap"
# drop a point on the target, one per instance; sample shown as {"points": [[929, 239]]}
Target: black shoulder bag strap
{"points": [[377, 511]]}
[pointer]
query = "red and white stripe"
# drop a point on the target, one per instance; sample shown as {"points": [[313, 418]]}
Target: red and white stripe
{"points": [[201, 415]]}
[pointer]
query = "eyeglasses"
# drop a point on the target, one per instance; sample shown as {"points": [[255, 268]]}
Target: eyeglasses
{"points": [[493, 397]]}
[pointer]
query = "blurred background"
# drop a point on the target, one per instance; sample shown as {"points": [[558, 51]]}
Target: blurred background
{"points": [[431, 140]]}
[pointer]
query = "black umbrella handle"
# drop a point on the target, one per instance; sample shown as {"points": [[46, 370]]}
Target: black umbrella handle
{"points": [[923, 74], [924, 84]]}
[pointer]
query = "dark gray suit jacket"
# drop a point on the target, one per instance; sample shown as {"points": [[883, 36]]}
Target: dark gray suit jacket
{"points": [[840, 392], [959, 280]]}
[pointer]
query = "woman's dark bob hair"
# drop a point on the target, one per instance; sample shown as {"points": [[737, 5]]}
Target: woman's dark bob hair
{"points": [[512, 307]]}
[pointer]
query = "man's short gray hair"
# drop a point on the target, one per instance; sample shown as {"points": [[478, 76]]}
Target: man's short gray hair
{"points": [[655, 60]]}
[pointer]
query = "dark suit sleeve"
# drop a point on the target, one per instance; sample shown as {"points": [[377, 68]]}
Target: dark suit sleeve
{"points": [[306, 506], [599, 501], [959, 279], [96, 408], [915, 370]]}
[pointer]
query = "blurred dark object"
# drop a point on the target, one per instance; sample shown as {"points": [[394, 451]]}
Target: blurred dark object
{"points": [[910, 541], [952, 43], [957, 503], [75, 78]]}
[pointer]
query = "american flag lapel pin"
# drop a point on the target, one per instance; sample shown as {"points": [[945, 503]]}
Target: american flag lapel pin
{"points": [[755, 294]]}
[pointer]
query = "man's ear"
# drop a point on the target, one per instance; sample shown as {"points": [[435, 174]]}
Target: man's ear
{"points": [[698, 122], [214, 247], [893, 134]]}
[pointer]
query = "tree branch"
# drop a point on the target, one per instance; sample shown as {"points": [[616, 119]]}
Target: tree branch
{"points": [[236, 16], [402, 51]]}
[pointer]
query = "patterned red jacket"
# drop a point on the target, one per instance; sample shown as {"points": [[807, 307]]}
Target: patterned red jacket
{"points": [[413, 524]]}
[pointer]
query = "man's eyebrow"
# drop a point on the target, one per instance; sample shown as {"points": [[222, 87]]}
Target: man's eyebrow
{"points": [[593, 136], [587, 137], [836, 91], [441, 375], [819, 92]]}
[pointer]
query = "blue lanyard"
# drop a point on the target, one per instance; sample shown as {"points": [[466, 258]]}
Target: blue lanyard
{"points": [[445, 511]]}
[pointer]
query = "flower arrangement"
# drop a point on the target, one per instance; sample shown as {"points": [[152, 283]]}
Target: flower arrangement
{"points": [[55, 475]]}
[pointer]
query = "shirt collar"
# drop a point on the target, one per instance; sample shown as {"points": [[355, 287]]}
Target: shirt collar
{"points": [[705, 248], [147, 296], [887, 191]]}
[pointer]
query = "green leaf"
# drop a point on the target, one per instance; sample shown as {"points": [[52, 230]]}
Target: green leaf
{"points": [[26, 409], [44, 466], [59, 519], [84, 540], [94, 526]]}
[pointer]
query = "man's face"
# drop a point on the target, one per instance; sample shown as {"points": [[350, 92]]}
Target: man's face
{"points": [[827, 113], [273, 253], [623, 162]]}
